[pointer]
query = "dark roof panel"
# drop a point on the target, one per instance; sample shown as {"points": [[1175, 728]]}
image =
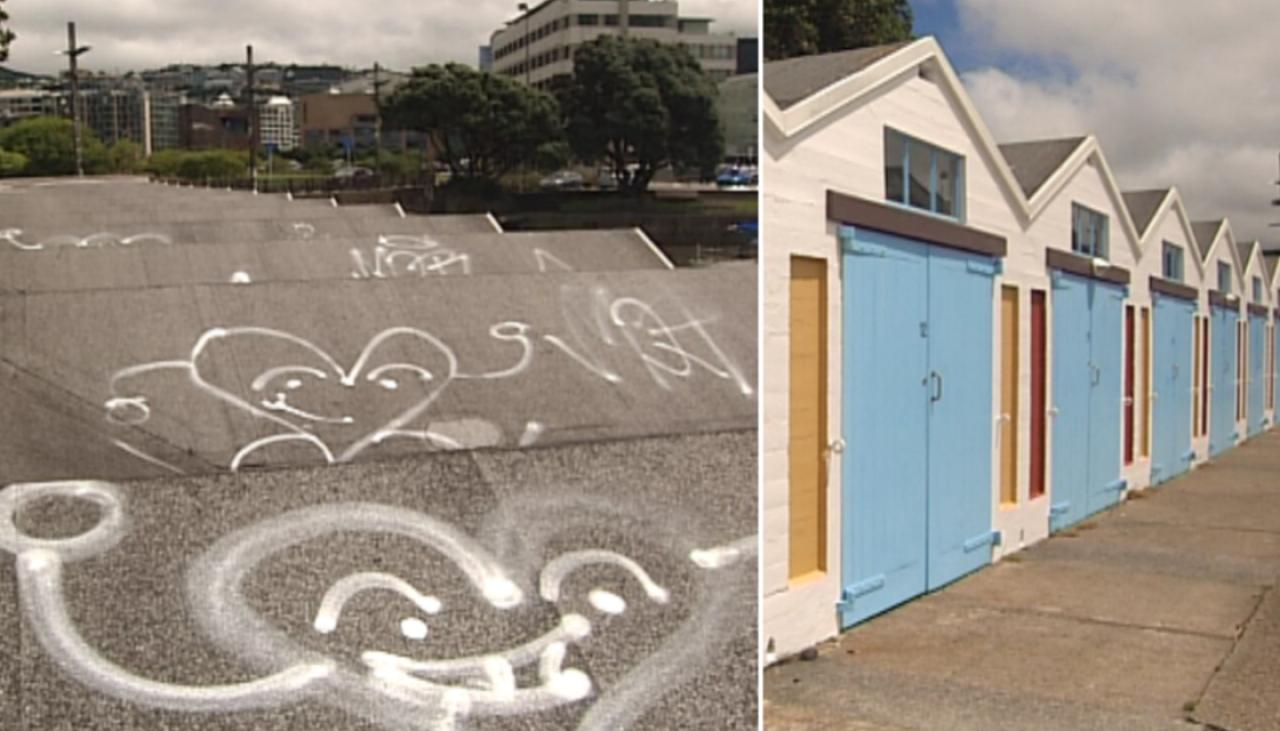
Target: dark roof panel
{"points": [[791, 81], [1034, 161], [1205, 232], [1142, 205]]}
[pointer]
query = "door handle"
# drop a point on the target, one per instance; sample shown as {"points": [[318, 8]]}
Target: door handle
{"points": [[1097, 374], [937, 386]]}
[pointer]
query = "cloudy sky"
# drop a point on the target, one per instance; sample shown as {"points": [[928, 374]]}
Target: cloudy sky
{"points": [[1179, 92], [137, 34]]}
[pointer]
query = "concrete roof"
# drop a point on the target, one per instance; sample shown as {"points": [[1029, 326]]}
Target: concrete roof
{"points": [[513, 361], [1205, 232], [422, 257], [793, 80], [1032, 162], [687, 663], [1142, 205]]}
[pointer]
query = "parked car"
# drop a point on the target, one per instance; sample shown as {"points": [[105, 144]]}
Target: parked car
{"points": [[736, 177], [562, 180]]}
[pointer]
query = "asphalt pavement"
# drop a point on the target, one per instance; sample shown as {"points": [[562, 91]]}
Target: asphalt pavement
{"points": [[1160, 614]]}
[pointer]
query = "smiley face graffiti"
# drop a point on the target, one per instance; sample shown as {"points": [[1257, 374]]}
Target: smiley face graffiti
{"points": [[390, 689]]}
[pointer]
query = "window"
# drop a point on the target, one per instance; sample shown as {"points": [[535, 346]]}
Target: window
{"points": [[1224, 277], [588, 20], [1172, 262], [1257, 289], [1088, 232], [922, 176]]}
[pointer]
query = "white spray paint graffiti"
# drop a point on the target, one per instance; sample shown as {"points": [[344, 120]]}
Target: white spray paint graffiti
{"points": [[92, 241], [626, 326], [398, 255], [546, 260], [389, 689], [304, 231]]}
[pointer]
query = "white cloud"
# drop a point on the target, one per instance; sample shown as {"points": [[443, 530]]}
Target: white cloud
{"points": [[1179, 93], [137, 34]]}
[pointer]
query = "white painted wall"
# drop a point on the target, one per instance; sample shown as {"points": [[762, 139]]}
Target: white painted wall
{"points": [[1168, 226], [844, 153]]}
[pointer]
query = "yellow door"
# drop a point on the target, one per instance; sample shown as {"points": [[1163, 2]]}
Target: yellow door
{"points": [[1009, 395], [806, 450]]}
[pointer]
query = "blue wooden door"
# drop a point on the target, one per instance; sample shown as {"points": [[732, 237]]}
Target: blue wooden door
{"points": [[1222, 416], [960, 414], [1257, 373], [1072, 384], [1172, 374], [1106, 356], [885, 406]]}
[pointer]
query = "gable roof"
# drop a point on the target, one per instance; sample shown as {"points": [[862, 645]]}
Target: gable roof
{"points": [[1246, 253], [1034, 161], [1206, 232], [1143, 205], [793, 80]]}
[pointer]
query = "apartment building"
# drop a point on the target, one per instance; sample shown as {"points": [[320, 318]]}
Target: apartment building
{"points": [[18, 104], [538, 45]]}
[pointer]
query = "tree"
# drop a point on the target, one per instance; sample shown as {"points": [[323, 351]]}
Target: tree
{"points": [[6, 35], [12, 163], [48, 143], [125, 156], [481, 125], [801, 27], [640, 106]]}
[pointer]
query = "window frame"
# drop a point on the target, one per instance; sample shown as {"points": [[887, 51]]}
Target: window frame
{"points": [[1179, 257], [1082, 213], [958, 206]]}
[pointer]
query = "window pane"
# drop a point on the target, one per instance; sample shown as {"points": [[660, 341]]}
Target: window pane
{"points": [[1102, 246], [919, 167], [894, 149], [948, 181], [1077, 229]]}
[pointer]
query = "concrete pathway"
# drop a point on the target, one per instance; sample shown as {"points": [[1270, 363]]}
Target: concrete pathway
{"points": [[1160, 614]]}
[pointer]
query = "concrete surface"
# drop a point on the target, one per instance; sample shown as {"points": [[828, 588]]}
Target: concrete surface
{"points": [[475, 362], [386, 256], [440, 429], [1159, 614], [689, 663]]}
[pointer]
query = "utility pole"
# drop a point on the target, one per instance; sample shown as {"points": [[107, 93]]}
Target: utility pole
{"points": [[253, 119], [74, 52], [377, 105]]}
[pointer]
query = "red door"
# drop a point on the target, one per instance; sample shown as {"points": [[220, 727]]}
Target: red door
{"points": [[1128, 385], [1039, 407]]}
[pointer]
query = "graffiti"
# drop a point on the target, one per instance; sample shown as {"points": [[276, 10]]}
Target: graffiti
{"points": [[386, 688], [304, 231], [308, 398], [546, 260], [403, 255], [93, 241]]}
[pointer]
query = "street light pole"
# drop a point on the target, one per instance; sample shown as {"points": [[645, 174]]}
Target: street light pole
{"points": [[73, 52], [377, 106], [253, 119]]}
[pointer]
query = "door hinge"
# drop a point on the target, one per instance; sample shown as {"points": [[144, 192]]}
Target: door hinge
{"points": [[1189, 456], [990, 538], [1059, 508], [859, 589], [1119, 485], [924, 329]]}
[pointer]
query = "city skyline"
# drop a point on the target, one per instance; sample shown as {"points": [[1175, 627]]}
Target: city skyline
{"points": [[145, 34]]}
